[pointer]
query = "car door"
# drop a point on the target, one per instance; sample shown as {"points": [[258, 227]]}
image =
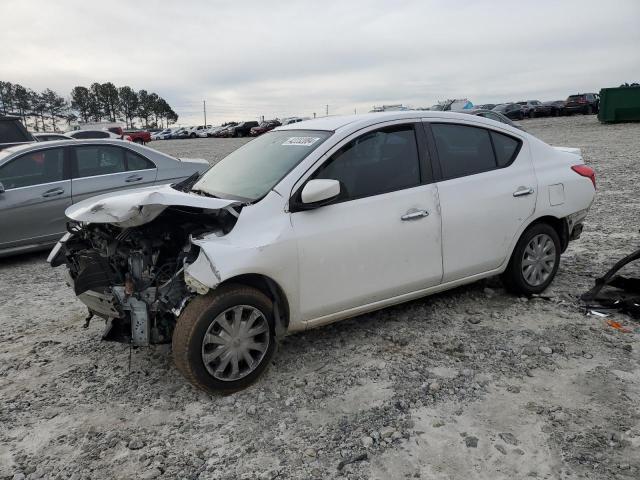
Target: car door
{"points": [[100, 168], [487, 189], [37, 190], [381, 237]]}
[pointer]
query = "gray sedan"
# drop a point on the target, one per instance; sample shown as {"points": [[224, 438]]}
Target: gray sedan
{"points": [[39, 181]]}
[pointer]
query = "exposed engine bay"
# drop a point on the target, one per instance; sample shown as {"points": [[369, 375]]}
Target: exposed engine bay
{"points": [[134, 277]]}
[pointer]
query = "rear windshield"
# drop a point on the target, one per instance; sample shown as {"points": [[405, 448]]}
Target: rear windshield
{"points": [[251, 171], [10, 132], [575, 97]]}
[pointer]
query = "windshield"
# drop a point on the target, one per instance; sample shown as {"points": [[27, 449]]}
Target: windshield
{"points": [[254, 169], [500, 108]]}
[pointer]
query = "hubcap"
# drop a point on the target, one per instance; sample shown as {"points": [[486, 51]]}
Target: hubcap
{"points": [[538, 260], [235, 343]]}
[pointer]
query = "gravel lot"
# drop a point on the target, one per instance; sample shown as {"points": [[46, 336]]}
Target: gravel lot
{"points": [[472, 383]]}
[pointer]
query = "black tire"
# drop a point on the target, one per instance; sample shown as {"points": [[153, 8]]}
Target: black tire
{"points": [[589, 110], [532, 114], [139, 141], [521, 116], [193, 135], [194, 323], [556, 113], [513, 278]]}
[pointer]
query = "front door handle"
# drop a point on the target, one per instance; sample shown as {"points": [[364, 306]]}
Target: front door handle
{"points": [[53, 192], [522, 191], [133, 178], [414, 214]]}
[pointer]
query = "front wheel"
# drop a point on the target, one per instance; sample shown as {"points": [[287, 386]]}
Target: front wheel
{"points": [[534, 262], [225, 340]]}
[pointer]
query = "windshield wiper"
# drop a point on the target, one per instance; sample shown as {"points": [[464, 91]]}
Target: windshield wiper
{"points": [[186, 184], [203, 193]]}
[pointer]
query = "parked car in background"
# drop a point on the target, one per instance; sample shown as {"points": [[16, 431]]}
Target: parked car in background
{"points": [[491, 115], [181, 133], [213, 132], [87, 134], [486, 106], [193, 131], [161, 135], [290, 120], [50, 137], [510, 110], [40, 180], [13, 132], [586, 103], [264, 127], [556, 107], [204, 133], [534, 108], [241, 130], [138, 136], [369, 222]]}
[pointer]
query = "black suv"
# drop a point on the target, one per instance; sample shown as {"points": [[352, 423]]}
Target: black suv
{"points": [[12, 132], [586, 103], [242, 129]]}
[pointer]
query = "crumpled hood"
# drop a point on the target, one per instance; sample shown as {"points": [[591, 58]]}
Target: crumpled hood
{"points": [[139, 206]]}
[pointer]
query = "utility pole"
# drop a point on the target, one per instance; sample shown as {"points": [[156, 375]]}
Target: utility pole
{"points": [[327, 109], [204, 108]]}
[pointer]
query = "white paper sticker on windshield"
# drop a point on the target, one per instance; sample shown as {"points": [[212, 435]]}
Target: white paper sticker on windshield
{"points": [[302, 141]]}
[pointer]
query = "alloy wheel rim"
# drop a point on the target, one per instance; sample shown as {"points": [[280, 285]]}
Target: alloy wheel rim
{"points": [[538, 260], [235, 343]]}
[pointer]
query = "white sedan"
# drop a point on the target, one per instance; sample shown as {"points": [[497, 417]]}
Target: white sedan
{"points": [[319, 221]]}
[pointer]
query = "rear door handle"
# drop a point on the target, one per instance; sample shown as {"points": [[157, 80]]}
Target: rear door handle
{"points": [[53, 192], [522, 191], [414, 214], [133, 178]]}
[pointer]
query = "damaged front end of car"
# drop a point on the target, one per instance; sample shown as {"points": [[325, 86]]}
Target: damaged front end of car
{"points": [[126, 257]]}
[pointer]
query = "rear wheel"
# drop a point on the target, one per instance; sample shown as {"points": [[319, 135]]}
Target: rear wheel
{"points": [[225, 340], [589, 110], [534, 262]]}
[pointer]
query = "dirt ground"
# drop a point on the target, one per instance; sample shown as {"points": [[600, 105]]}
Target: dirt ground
{"points": [[469, 384]]}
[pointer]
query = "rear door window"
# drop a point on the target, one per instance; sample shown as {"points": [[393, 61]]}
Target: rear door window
{"points": [[92, 160], [137, 162], [465, 150], [34, 168]]}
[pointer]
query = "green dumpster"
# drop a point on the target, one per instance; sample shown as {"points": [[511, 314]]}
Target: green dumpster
{"points": [[621, 104]]}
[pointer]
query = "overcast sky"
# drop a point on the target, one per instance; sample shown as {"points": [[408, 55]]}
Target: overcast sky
{"points": [[281, 58]]}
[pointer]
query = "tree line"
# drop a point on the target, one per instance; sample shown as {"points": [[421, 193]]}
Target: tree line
{"points": [[99, 102]]}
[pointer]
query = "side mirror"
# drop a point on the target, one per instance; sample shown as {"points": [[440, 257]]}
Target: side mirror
{"points": [[1, 188], [316, 193]]}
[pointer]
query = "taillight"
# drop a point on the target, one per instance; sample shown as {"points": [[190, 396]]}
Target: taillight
{"points": [[585, 171]]}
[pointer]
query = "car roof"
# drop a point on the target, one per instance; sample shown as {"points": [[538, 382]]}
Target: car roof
{"points": [[9, 153], [25, 147], [333, 123]]}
